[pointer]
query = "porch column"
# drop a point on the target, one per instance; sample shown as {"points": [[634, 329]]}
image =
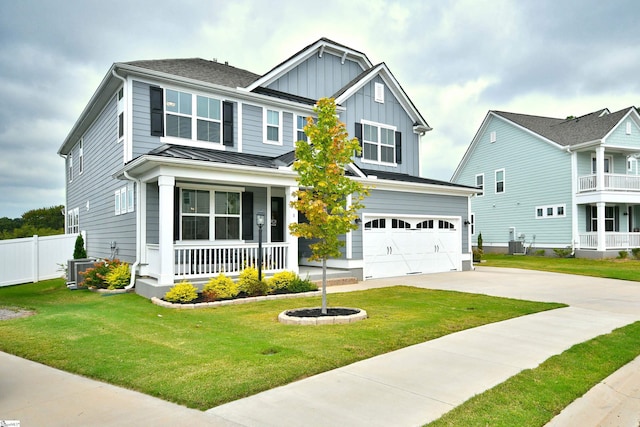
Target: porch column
{"points": [[291, 217], [599, 170], [166, 186], [602, 239]]}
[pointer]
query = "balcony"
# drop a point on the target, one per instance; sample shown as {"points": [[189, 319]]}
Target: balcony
{"points": [[613, 240], [612, 182], [202, 261]]}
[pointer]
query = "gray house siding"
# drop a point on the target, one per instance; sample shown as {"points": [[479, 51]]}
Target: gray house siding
{"points": [[318, 77], [93, 190], [537, 174], [153, 213], [143, 142], [361, 106]]}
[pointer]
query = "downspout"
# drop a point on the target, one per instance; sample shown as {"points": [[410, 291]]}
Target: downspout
{"points": [[574, 207], [135, 265], [138, 183]]}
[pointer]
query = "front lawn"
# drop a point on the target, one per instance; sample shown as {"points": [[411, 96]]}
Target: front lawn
{"points": [[203, 358], [624, 269]]}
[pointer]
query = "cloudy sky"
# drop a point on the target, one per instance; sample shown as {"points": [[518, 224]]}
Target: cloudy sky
{"points": [[455, 59]]}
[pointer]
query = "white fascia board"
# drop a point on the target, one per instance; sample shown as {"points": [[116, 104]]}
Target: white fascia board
{"points": [[583, 145], [530, 132], [320, 46], [383, 71]]}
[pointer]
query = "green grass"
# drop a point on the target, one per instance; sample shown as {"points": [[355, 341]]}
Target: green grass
{"points": [[624, 269], [206, 357], [535, 396]]}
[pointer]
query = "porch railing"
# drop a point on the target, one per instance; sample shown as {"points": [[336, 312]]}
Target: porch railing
{"points": [[613, 240], [614, 182]]}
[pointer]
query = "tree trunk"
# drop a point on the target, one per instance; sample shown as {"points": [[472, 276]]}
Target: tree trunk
{"points": [[324, 286]]}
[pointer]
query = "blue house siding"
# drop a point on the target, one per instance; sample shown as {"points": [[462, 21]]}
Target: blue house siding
{"points": [[318, 77], [619, 137], [93, 191], [537, 174]]}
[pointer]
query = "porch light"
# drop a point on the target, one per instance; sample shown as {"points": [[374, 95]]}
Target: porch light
{"points": [[260, 219]]}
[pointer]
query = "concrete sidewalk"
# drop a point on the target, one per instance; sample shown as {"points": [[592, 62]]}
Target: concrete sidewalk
{"points": [[408, 387]]}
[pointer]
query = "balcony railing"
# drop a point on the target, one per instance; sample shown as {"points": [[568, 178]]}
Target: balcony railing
{"points": [[612, 182], [613, 240], [194, 261]]}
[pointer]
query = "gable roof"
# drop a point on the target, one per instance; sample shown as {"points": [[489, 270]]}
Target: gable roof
{"points": [[200, 69], [567, 132]]}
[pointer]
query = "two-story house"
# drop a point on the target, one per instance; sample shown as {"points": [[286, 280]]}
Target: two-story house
{"points": [[171, 160], [556, 183]]}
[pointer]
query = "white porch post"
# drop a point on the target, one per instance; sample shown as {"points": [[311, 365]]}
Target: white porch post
{"points": [[600, 169], [166, 186], [602, 243], [291, 217]]}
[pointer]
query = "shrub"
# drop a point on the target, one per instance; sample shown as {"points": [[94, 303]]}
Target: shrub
{"points": [[477, 254], [249, 284], [563, 253], [623, 254], [79, 251], [480, 241], [539, 252], [636, 253], [96, 277], [183, 292], [220, 287], [301, 285], [118, 276], [280, 281]]}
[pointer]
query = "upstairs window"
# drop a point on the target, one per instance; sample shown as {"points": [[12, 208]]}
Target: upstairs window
{"points": [[209, 119], [378, 143], [480, 183], [73, 221], [70, 166], [178, 107], [272, 127], [301, 121], [608, 161], [81, 157], [500, 181]]}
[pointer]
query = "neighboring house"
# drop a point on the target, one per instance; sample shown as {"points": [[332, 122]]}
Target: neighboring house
{"points": [[552, 183], [171, 160]]}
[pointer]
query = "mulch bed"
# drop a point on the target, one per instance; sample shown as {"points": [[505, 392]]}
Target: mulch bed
{"points": [[8, 313], [317, 312]]}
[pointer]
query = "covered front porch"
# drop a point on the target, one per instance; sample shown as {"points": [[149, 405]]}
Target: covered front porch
{"points": [[608, 226]]}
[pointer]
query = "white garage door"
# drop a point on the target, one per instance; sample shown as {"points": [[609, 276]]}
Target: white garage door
{"points": [[396, 246]]}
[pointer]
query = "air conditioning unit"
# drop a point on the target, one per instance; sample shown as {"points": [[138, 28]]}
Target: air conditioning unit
{"points": [[75, 267]]}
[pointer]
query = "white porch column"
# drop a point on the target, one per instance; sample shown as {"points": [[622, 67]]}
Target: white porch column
{"points": [[291, 217], [166, 186], [602, 240], [575, 233], [600, 169]]}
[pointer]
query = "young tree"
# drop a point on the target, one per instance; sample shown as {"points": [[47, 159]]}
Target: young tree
{"points": [[323, 197]]}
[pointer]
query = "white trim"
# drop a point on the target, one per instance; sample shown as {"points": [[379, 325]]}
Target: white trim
{"points": [[349, 235], [379, 144], [266, 125]]}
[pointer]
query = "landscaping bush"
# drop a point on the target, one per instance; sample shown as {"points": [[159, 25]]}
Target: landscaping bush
{"points": [[301, 285], [280, 281], [96, 277], [249, 284], [118, 276], [79, 251], [220, 287], [477, 254], [183, 292], [539, 252], [636, 253], [623, 254], [562, 253]]}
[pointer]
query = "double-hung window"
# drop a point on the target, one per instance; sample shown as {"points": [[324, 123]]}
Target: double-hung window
{"points": [[378, 143], [273, 127], [195, 214], [209, 119], [73, 221], [301, 122], [500, 179], [480, 183], [178, 106], [227, 215]]}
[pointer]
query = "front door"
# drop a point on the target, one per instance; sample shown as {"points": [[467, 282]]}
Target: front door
{"points": [[277, 219]]}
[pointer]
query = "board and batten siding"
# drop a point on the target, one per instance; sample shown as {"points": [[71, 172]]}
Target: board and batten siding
{"points": [[362, 106], [93, 190], [401, 203], [536, 174], [318, 77]]}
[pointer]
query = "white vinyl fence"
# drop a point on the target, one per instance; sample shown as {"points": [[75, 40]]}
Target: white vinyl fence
{"points": [[34, 258]]}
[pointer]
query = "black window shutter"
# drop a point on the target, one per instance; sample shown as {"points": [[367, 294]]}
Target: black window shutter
{"points": [[157, 112], [227, 124], [359, 137], [247, 216], [616, 218], [398, 147]]}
